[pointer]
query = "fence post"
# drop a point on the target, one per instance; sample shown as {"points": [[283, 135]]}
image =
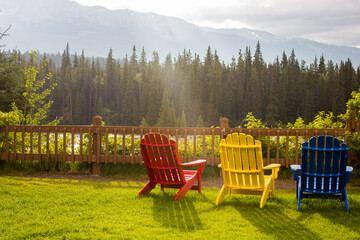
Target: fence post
{"points": [[351, 122], [96, 166], [224, 125]]}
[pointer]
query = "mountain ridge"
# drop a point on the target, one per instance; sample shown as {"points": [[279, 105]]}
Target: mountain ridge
{"points": [[48, 25]]}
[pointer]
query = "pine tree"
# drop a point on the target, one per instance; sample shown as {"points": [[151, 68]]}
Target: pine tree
{"points": [[200, 123], [193, 99], [181, 82], [153, 90], [10, 87], [144, 85], [168, 76], [239, 93], [292, 74], [208, 63], [143, 123], [76, 61], [65, 86], [247, 71], [131, 114], [82, 83], [167, 112], [79, 110], [99, 108], [182, 120], [254, 93], [110, 82], [271, 109], [215, 90]]}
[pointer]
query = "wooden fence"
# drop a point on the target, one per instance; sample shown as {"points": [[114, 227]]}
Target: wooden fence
{"points": [[98, 144]]}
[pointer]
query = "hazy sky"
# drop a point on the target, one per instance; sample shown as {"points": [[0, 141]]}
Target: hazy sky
{"points": [[329, 21]]}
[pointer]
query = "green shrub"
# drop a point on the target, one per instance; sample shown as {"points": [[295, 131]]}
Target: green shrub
{"points": [[32, 167]]}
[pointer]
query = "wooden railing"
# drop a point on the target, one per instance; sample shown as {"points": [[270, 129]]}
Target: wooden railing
{"points": [[98, 144]]}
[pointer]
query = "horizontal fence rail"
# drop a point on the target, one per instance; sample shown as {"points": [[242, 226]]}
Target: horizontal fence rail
{"points": [[113, 144]]}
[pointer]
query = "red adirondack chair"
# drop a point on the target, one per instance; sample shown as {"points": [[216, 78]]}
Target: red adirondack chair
{"points": [[163, 165]]}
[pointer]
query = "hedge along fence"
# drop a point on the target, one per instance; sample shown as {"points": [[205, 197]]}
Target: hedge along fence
{"points": [[98, 144]]}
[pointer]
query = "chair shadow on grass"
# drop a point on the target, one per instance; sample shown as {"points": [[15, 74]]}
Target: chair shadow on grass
{"points": [[333, 210], [94, 183], [180, 214], [271, 219]]}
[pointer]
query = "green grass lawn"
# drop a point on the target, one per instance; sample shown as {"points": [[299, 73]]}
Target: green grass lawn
{"points": [[32, 208]]}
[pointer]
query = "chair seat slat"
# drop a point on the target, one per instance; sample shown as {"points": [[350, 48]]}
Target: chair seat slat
{"points": [[243, 171], [240, 146], [160, 167], [325, 149], [323, 175]]}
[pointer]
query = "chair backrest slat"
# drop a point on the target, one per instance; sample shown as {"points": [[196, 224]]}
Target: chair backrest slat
{"points": [[231, 160], [252, 161], [259, 163], [147, 153], [172, 161], [163, 157], [328, 160], [311, 165], [319, 161], [238, 161], [304, 162], [343, 159], [157, 158], [245, 159]]}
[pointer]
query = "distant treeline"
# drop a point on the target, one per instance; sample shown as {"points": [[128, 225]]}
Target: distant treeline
{"points": [[188, 91]]}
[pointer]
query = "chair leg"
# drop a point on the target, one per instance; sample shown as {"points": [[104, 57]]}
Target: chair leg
{"points": [[199, 182], [297, 188], [182, 192], [148, 187], [222, 194], [272, 189], [298, 193], [346, 200], [265, 194]]}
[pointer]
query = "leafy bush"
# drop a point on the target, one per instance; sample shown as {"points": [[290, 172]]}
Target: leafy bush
{"points": [[353, 105], [199, 146], [11, 118]]}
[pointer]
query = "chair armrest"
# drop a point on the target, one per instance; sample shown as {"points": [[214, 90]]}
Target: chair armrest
{"points": [[272, 166], [349, 170], [296, 169], [220, 165], [200, 163], [193, 163], [275, 167]]}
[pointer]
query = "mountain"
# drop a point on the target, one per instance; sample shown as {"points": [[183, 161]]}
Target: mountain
{"points": [[48, 25]]}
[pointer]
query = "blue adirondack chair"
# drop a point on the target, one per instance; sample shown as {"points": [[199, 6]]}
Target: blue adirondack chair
{"points": [[323, 171]]}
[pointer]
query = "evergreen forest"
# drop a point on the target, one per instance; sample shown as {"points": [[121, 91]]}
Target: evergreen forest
{"points": [[184, 90]]}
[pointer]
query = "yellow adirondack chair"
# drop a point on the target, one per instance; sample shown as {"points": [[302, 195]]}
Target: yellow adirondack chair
{"points": [[243, 170]]}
